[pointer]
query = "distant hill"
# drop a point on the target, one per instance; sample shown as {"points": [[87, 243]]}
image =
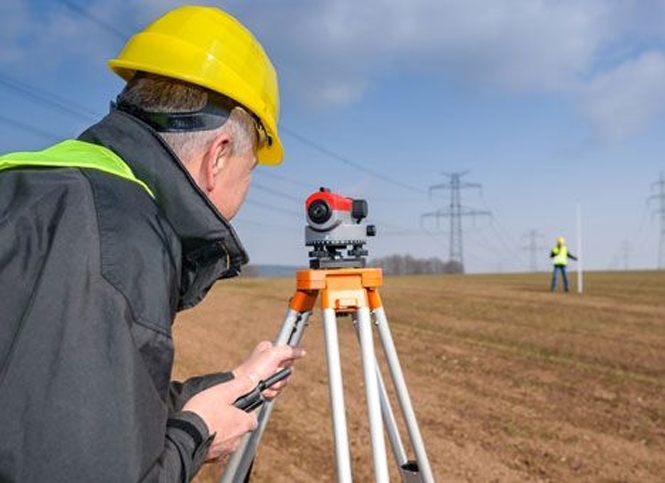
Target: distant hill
{"points": [[272, 270]]}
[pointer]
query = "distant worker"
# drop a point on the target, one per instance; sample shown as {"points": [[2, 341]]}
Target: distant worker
{"points": [[560, 256]]}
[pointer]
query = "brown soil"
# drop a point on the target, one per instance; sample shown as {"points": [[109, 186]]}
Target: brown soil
{"points": [[509, 382]]}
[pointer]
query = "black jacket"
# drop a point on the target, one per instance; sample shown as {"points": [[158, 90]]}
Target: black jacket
{"points": [[92, 272]]}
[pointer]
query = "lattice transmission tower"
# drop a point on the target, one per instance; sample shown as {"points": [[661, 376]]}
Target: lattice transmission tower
{"points": [[660, 198], [534, 248], [454, 211]]}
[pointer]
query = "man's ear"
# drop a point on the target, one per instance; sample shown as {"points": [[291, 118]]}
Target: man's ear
{"points": [[215, 159]]}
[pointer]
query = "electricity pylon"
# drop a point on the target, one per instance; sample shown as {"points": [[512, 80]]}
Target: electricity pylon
{"points": [[455, 211], [534, 249], [660, 197]]}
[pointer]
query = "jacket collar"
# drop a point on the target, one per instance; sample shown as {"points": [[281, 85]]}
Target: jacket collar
{"points": [[210, 247]]}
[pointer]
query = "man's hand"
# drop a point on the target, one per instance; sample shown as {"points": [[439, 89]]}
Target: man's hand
{"points": [[215, 404], [228, 423], [264, 361]]}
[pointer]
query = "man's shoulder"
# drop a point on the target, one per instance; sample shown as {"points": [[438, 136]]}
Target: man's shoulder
{"points": [[124, 207], [140, 251]]}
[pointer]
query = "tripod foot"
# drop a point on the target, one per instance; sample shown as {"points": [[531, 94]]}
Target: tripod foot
{"points": [[410, 472]]}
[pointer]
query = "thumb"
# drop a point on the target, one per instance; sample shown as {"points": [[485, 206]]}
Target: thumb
{"points": [[264, 346]]}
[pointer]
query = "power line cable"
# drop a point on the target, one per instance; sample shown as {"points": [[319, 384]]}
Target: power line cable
{"points": [[64, 105], [51, 99], [31, 129], [347, 161], [487, 244], [273, 208], [121, 35], [275, 192], [281, 194], [510, 243], [100, 23], [286, 179], [259, 224]]}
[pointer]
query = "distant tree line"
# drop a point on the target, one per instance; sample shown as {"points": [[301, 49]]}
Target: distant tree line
{"points": [[391, 265], [408, 265]]}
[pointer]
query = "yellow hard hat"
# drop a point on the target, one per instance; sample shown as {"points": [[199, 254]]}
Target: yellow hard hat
{"points": [[560, 241], [208, 47]]}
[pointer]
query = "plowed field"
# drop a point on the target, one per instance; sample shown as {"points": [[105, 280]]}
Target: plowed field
{"points": [[509, 382]]}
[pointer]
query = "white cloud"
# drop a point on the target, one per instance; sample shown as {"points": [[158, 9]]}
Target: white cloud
{"points": [[46, 38], [515, 44], [589, 49], [330, 52], [512, 44], [622, 101]]}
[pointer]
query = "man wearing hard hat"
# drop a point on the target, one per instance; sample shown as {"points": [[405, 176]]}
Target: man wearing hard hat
{"points": [[560, 255], [105, 237]]}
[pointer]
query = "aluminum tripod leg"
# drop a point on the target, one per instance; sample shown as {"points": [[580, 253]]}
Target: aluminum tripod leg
{"points": [[336, 388], [409, 472], [239, 463], [375, 405], [364, 325], [349, 291], [390, 423], [402, 392]]}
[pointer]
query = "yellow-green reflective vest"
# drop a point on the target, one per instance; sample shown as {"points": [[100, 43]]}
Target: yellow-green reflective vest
{"points": [[73, 154], [560, 255]]}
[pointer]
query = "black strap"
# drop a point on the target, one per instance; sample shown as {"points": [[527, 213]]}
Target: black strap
{"points": [[211, 116], [207, 119]]}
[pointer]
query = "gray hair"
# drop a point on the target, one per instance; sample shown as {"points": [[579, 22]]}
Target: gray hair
{"points": [[154, 93]]}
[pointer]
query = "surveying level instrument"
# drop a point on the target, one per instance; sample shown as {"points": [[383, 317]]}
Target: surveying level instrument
{"points": [[335, 226], [337, 234]]}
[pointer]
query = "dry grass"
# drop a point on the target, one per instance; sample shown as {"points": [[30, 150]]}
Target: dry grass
{"points": [[509, 381]]}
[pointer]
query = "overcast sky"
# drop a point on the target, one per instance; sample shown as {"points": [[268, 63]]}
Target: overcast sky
{"points": [[551, 108]]}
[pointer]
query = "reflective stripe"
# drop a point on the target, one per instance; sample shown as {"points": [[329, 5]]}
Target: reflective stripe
{"points": [[73, 153]]}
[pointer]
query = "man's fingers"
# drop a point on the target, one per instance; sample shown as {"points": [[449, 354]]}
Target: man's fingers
{"points": [[287, 352], [264, 346]]}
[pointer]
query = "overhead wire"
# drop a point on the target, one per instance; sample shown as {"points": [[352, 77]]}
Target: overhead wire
{"points": [[272, 207], [30, 129], [283, 128], [63, 105], [97, 21], [261, 224], [67, 106], [270, 174], [275, 192], [122, 35], [59, 103], [500, 231], [496, 254], [333, 155]]}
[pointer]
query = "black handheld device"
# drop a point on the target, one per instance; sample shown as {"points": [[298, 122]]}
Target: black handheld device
{"points": [[253, 399]]}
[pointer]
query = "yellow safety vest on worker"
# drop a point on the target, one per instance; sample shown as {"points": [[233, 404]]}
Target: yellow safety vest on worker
{"points": [[73, 153], [560, 255]]}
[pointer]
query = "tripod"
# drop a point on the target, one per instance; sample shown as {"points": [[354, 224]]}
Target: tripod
{"points": [[348, 291]]}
